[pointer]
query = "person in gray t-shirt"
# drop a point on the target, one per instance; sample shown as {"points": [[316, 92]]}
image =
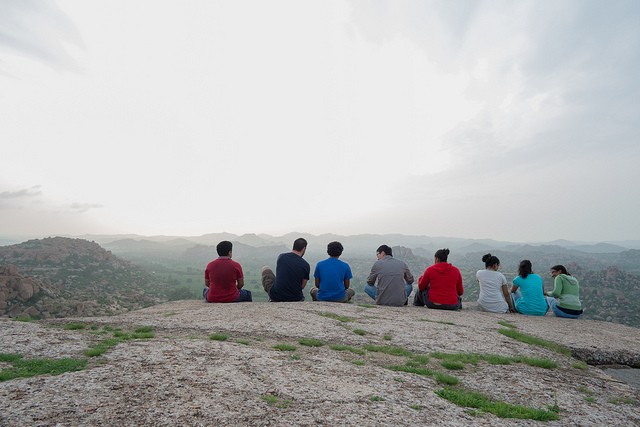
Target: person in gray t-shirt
{"points": [[394, 279]]}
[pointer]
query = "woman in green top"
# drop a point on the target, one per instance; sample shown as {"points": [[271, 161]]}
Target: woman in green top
{"points": [[564, 300]]}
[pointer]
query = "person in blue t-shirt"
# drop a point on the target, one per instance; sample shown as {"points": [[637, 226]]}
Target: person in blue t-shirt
{"points": [[292, 275], [332, 277]]}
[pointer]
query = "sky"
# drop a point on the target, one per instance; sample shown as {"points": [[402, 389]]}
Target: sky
{"points": [[510, 120]]}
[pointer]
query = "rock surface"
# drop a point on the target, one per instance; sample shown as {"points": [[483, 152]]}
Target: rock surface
{"points": [[181, 377]]}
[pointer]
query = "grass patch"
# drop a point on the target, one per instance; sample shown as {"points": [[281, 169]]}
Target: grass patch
{"points": [[507, 324], [416, 407], [338, 347], [358, 362], [143, 329], [295, 357], [580, 365], [446, 379], [589, 399], [367, 305], [472, 399], [310, 342], [218, 337], [394, 351], [377, 399], [412, 370], [144, 335], [28, 368], [337, 317], [173, 313], [74, 326], [530, 339], [22, 319], [387, 337], [494, 359], [452, 365], [421, 359], [243, 342], [269, 398], [585, 390], [360, 331], [619, 400], [285, 347]]}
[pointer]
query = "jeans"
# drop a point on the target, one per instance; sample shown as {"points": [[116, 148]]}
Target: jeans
{"points": [[372, 291], [245, 295], [553, 303]]}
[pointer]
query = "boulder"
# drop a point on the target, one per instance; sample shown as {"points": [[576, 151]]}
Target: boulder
{"points": [[11, 270], [3, 296], [32, 312], [25, 289], [15, 311]]}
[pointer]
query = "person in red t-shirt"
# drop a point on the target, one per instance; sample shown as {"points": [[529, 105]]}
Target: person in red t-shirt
{"points": [[223, 278], [441, 285]]}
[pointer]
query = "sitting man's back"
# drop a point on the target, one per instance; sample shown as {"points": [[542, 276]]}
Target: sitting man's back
{"points": [[292, 274]]}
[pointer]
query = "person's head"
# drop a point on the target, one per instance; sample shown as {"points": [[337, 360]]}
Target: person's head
{"points": [[442, 255], [334, 249], [525, 268], [224, 248], [558, 269], [490, 260], [299, 245], [383, 250]]}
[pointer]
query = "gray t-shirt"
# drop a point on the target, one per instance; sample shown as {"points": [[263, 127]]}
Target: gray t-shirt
{"points": [[491, 297], [391, 274]]}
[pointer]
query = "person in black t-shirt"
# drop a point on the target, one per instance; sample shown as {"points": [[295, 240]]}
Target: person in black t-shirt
{"points": [[292, 274]]}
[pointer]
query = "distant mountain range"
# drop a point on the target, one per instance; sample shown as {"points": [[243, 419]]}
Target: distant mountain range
{"points": [[158, 268]]}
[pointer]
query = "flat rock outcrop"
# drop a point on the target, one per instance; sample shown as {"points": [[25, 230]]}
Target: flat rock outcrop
{"points": [[182, 377]]}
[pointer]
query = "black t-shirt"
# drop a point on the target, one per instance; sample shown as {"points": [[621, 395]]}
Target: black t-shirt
{"points": [[291, 270]]}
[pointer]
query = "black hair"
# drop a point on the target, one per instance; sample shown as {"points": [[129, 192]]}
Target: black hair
{"points": [[561, 269], [442, 254], [490, 260], [525, 268], [299, 244], [386, 249], [334, 249], [224, 248]]}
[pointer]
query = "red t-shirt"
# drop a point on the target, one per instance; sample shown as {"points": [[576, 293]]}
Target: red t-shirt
{"points": [[222, 274], [444, 281]]}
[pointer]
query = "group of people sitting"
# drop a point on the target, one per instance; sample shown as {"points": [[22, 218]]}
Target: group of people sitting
{"points": [[390, 282]]}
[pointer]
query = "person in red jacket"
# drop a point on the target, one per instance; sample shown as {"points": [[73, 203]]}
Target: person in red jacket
{"points": [[441, 285]]}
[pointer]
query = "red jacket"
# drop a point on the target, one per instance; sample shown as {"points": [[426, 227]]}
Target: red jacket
{"points": [[444, 281]]}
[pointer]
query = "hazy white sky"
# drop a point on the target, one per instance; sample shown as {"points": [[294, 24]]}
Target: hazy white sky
{"points": [[512, 120]]}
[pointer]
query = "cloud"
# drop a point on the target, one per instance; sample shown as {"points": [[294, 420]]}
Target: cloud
{"points": [[83, 207], [27, 192], [38, 30]]}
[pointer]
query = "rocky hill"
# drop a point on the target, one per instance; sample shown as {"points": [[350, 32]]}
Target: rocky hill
{"points": [[318, 364], [58, 277]]}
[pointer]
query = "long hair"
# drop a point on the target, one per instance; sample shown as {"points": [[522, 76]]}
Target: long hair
{"points": [[525, 268]]}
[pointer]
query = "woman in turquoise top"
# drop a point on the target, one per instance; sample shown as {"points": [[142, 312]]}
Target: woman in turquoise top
{"points": [[566, 290], [527, 293]]}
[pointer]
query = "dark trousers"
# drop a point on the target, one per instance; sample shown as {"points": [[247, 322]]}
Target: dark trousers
{"points": [[422, 299]]}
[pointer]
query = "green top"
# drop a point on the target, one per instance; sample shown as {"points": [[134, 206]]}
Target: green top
{"points": [[566, 289]]}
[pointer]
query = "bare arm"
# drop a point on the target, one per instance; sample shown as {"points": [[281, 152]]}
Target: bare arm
{"points": [[507, 298], [346, 283], [513, 288], [304, 283], [317, 283], [206, 283], [240, 283]]}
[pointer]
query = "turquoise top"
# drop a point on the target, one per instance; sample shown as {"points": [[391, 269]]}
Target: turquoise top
{"points": [[532, 301]]}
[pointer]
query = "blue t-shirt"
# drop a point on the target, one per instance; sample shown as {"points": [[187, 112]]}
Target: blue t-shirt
{"points": [[291, 270], [332, 273], [533, 301]]}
